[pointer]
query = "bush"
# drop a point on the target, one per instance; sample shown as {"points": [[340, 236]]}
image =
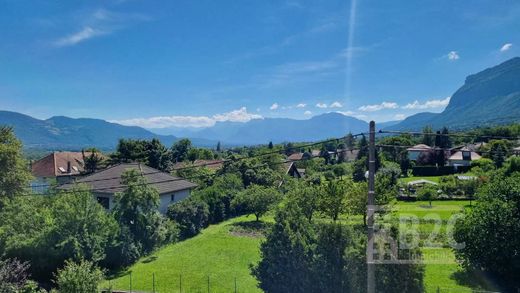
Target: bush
{"points": [[191, 215], [82, 277], [486, 165]]}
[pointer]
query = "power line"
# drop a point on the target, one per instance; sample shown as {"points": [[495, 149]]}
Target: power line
{"points": [[449, 134]]}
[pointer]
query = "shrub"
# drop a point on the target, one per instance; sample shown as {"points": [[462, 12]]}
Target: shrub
{"points": [[191, 215], [82, 277]]}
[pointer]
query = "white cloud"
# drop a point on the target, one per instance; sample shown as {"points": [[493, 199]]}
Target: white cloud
{"points": [[378, 107], [428, 104], [307, 113], [336, 105], [321, 105], [83, 35], [240, 115], [453, 55], [506, 47], [399, 116], [274, 106], [301, 105]]}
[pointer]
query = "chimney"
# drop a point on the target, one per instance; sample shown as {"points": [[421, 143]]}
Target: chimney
{"points": [[69, 167]]}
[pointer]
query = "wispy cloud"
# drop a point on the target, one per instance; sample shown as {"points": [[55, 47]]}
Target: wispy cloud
{"points": [[274, 106], [453, 55], [430, 104], [239, 115], [307, 113], [506, 47], [301, 105], [98, 23], [378, 107], [83, 35], [399, 116]]}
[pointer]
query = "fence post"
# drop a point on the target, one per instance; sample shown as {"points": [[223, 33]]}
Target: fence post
{"points": [[438, 289], [180, 283], [130, 282], [153, 280], [208, 283], [235, 284]]}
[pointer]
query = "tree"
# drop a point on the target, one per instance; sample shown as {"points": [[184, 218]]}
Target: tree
{"points": [[427, 193], [82, 277], [363, 148], [286, 254], [218, 146], [256, 200], [191, 215], [156, 154], [129, 150], [270, 145], [305, 197], [498, 151], [92, 161], [180, 149], [83, 228], [136, 208], [349, 141], [428, 138], [489, 231], [14, 174], [332, 198]]}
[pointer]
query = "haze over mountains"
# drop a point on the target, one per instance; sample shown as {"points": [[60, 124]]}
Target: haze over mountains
{"points": [[490, 97]]}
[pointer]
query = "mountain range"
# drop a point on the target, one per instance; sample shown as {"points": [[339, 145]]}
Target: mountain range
{"points": [[490, 97]]}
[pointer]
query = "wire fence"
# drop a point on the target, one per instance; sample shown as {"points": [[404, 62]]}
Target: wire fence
{"points": [[176, 283]]}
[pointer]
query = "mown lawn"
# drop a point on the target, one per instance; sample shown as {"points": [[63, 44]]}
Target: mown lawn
{"points": [[225, 251], [217, 253], [442, 270]]}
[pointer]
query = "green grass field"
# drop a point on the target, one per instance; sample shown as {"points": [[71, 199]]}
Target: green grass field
{"points": [[216, 253], [225, 251]]}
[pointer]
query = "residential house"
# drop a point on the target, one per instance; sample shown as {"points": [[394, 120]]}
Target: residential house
{"points": [[415, 151], [291, 170], [516, 151], [61, 167], [463, 157], [106, 183]]}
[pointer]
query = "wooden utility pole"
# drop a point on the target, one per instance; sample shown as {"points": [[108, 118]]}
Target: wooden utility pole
{"points": [[371, 208]]}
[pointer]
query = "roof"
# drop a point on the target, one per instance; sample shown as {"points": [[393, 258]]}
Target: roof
{"points": [[516, 149], [421, 181], [457, 156], [419, 147], [109, 180], [56, 164], [295, 157], [211, 164]]}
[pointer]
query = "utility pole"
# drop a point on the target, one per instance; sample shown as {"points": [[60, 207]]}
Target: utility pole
{"points": [[371, 287]]}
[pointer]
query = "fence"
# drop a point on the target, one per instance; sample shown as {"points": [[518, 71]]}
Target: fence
{"points": [[181, 283]]}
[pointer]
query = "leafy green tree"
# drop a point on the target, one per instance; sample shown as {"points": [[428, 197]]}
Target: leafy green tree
{"points": [[256, 200], [427, 193], [498, 151], [270, 145], [191, 215], [332, 198], [428, 138], [349, 141], [129, 150], [136, 208], [219, 195], [485, 164], [83, 228], [363, 148], [156, 154], [14, 171], [489, 232], [82, 277], [180, 150], [305, 197], [218, 147], [286, 255]]}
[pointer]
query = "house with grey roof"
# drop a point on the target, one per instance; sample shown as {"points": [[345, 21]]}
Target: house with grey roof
{"points": [[415, 151], [106, 183]]}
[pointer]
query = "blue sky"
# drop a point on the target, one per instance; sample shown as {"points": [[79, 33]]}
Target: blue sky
{"points": [[192, 63]]}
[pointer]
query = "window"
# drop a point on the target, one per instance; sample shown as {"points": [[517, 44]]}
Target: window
{"points": [[173, 197], [104, 201]]}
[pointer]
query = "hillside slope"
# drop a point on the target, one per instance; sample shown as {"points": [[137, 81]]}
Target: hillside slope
{"points": [[490, 97]]}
